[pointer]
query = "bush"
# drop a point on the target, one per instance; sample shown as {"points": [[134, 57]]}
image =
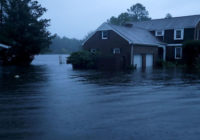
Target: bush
{"points": [[191, 51], [83, 60]]}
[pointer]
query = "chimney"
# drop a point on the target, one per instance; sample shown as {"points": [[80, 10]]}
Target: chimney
{"points": [[128, 24]]}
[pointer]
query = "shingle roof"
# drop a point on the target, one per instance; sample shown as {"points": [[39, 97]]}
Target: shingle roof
{"points": [[171, 23], [133, 35]]}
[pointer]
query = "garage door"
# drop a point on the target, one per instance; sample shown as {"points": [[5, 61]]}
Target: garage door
{"points": [[138, 61], [149, 60]]}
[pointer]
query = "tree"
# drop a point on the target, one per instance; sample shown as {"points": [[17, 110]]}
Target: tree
{"points": [[25, 29], [2, 12], [136, 12], [168, 15], [121, 19], [191, 53]]}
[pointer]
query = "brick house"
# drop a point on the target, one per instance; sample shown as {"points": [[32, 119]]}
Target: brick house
{"points": [[142, 44]]}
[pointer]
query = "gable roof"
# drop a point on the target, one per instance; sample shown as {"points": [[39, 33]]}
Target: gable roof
{"points": [[133, 35], [171, 23]]}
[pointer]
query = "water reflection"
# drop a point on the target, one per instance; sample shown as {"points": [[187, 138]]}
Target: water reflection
{"points": [[28, 76], [51, 101]]}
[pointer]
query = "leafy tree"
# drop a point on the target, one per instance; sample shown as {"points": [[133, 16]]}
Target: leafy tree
{"points": [[2, 12], [25, 29], [136, 12], [168, 15], [121, 19], [191, 53]]}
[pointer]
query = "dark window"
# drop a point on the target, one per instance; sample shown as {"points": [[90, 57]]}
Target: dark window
{"points": [[178, 34], [160, 33], [178, 53], [104, 35]]}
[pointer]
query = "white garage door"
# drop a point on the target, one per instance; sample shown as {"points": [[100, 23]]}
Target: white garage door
{"points": [[138, 61], [149, 60]]}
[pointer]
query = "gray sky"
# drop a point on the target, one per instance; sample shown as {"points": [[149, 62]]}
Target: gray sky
{"points": [[75, 18]]}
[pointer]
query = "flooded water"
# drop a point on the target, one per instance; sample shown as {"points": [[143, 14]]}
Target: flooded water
{"points": [[49, 101]]}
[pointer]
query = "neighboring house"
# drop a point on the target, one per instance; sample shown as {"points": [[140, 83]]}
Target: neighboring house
{"points": [[142, 44]]}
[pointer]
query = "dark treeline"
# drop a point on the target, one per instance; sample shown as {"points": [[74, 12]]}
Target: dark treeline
{"points": [[64, 45], [136, 12]]}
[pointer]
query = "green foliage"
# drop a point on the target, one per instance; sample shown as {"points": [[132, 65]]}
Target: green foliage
{"points": [[83, 60], [24, 28], [168, 15], [169, 64], [136, 12], [121, 19], [2, 11], [191, 53]]}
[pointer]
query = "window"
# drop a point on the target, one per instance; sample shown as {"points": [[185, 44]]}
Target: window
{"points": [[93, 50], [160, 33], [178, 34], [104, 35], [116, 51], [178, 53]]}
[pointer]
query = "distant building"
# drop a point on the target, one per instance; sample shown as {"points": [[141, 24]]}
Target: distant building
{"points": [[142, 44]]}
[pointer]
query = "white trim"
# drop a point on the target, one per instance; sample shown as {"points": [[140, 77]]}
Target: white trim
{"points": [[162, 34], [116, 51], [164, 52], [181, 53], [102, 35], [182, 34], [173, 45], [4, 46]]}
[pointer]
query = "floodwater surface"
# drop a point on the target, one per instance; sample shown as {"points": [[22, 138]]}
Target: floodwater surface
{"points": [[51, 101]]}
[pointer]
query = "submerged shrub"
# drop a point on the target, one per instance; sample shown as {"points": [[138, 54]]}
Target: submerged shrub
{"points": [[83, 60], [191, 52]]}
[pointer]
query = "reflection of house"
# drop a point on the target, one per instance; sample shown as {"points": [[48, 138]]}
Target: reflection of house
{"points": [[143, 43]]}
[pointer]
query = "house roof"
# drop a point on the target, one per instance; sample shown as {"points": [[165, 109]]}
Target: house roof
{"points": [[133, 35], [4, 46], [171, 23]]}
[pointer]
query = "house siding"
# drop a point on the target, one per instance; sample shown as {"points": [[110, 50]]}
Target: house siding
{"points": [[105, 47], [170, 56], [188, 35], [117, 61]]}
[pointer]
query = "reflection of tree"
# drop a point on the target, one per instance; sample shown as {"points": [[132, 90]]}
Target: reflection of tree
{"points": [[28, 77]]}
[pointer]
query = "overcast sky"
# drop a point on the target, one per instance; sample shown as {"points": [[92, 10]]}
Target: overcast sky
{"points": [[75, 18]]}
